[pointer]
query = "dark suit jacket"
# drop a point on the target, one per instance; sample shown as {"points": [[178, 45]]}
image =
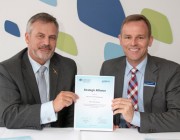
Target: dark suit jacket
{"points": [[19, 96], [162, 102]]}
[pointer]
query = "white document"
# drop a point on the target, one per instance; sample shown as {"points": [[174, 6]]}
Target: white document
{"points": [[93, 108]]}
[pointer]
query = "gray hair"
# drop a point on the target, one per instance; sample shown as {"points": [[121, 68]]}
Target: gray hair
{"points": [[44, 17]]}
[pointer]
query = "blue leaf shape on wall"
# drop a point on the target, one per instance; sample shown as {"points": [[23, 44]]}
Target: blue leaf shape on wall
{"points": [[105, 16], [12, 28], [112, 50], [50, 2]]}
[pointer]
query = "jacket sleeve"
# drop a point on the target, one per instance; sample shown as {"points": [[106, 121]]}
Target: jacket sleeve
{"points": [[165, 102], [15, 111]]}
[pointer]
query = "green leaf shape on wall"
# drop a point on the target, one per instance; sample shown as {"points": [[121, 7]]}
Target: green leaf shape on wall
{"points": [[67, 44], [161, 29]]}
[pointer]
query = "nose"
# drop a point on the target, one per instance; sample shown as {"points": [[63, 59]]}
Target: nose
{"points": [[134, 42], [46, 40]]}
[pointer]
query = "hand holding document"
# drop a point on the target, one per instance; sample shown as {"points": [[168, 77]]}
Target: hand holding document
{"points": [[93, 108]]}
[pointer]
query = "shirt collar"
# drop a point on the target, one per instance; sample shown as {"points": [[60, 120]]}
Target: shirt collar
{"points": [[36, 65], [141, 66]]}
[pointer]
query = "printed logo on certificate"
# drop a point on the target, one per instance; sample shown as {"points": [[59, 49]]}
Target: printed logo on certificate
{"points": [[93, 108]]}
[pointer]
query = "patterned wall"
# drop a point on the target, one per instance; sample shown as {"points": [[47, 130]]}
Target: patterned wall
{"points": [[89, 28]]}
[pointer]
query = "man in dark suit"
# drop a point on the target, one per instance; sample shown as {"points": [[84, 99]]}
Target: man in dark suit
{"points": [[20, 100], [157, 85]]}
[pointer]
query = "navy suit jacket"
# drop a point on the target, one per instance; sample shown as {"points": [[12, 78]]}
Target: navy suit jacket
{"points": [[19, 96], [161, 102]]}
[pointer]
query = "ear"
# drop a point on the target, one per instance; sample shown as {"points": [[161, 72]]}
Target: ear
{"points": [[150, 41], [27, 37], [119, 37]]}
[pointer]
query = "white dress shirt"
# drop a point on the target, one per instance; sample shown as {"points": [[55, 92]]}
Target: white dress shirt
{"points": [[140, 78], [47, 110]]}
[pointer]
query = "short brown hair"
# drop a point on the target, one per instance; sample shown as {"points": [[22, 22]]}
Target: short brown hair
{"points": [[137, 17]]}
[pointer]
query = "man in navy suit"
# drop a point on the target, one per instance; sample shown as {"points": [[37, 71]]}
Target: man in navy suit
{"points": [[20, 102], [158, 82]]}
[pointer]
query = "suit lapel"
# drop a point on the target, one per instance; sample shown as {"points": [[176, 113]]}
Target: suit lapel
{"points": [[29, 78], [53, 73], [119, 78], [119, 71], [150, 80]]}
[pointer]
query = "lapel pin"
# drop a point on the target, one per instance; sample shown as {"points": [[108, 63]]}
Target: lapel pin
{"points": [[55, 72]]}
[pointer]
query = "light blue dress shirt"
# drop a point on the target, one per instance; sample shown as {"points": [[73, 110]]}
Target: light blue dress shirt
{"points": [[47, 110], [140, 78]]}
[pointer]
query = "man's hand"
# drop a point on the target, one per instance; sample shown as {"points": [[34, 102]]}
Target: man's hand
{"points": [[123, 106], [64, 99]]}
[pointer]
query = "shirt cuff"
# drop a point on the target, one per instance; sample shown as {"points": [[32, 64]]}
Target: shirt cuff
{"points": [[136, 119], [47, 113]]}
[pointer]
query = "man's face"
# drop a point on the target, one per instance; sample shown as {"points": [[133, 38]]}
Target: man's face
{"points": [[135, 41], [42, 41]]}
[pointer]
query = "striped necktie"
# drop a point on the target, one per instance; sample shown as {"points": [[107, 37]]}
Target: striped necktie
{"points": [[132, 91]]}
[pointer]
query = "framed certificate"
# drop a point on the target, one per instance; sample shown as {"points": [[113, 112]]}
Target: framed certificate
{"points": [[93, 108]]}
